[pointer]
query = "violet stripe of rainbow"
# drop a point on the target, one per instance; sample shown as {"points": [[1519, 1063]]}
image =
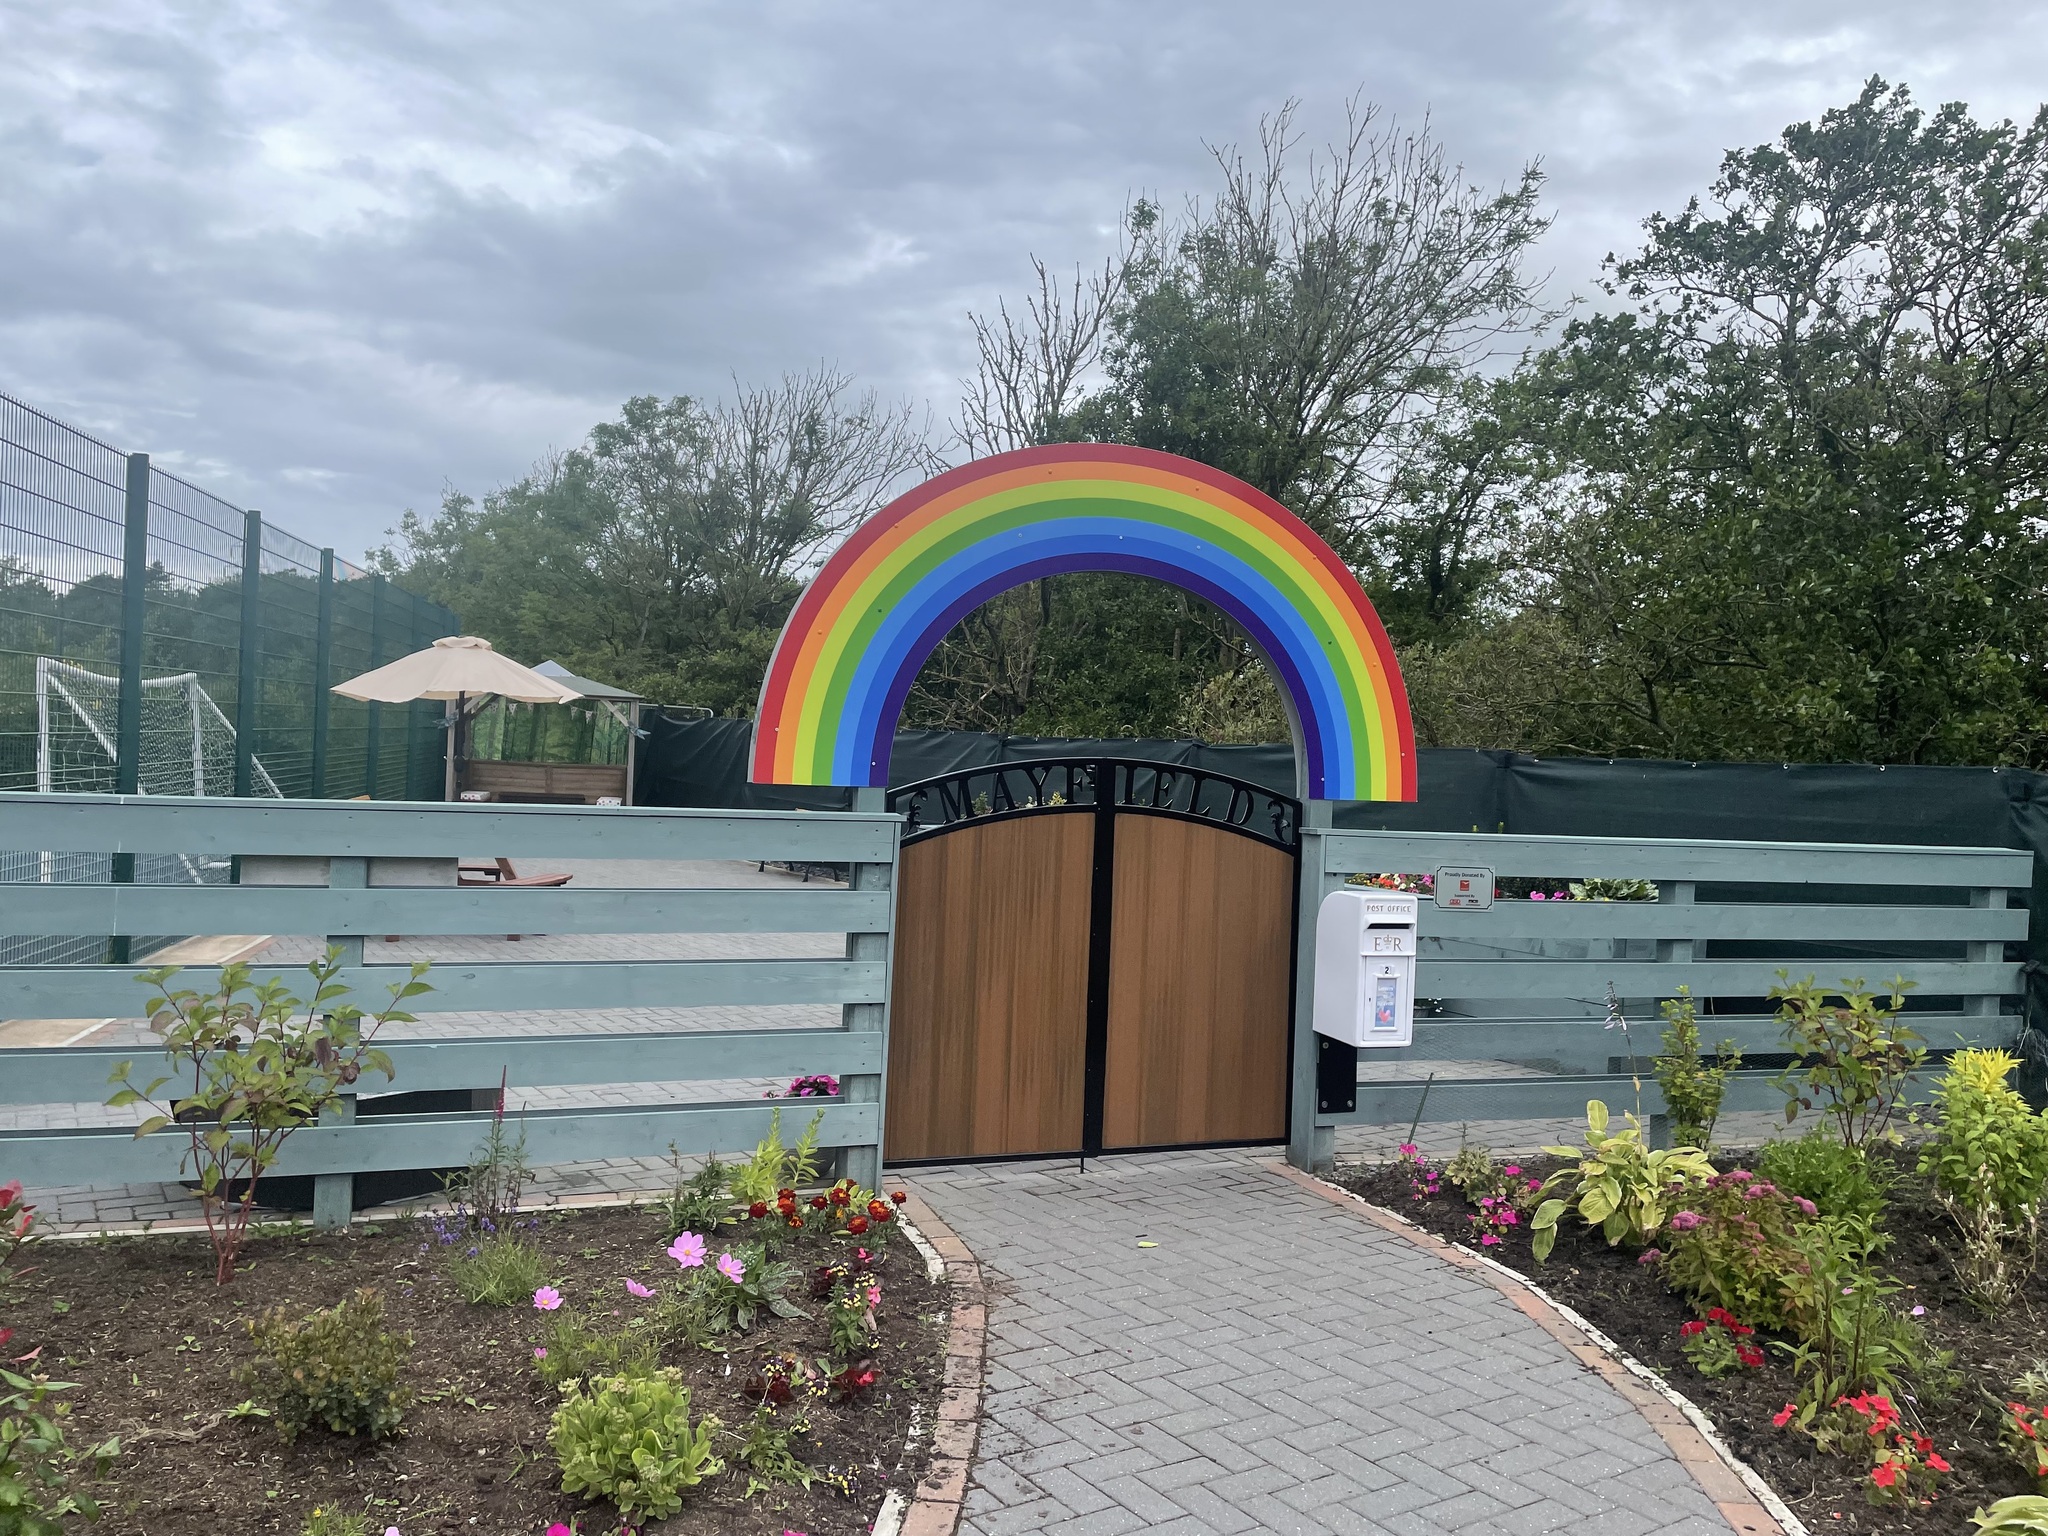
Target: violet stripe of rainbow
{"points": [[910, 620], [839, 675]]}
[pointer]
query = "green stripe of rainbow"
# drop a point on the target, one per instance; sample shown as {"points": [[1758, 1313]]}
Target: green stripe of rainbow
{"points": [[864, 626]]}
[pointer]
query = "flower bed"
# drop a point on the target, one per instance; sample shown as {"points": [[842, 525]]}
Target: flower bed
{"points": [[1741, 1375], [814, 1350]]}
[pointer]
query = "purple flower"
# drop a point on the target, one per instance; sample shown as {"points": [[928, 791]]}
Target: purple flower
{"points": [[1917, 1312], [1650, 1256], [731, 1268], [1684, 1221]]}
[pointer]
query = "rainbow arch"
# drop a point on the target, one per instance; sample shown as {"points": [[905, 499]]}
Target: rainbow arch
{"points": [[846, 659]]}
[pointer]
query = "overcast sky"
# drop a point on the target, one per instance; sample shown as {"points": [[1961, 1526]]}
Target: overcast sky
{"points": [[327, 259]]}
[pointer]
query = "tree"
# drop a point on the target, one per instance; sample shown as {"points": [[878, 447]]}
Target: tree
{"points": [[1796, 497], [1295, 331], [665, 553]]}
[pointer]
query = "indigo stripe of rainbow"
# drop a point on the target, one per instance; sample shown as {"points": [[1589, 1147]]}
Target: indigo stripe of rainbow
{"points": [[851, 649]]}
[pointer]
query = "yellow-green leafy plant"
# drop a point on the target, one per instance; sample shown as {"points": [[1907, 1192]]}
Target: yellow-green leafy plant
{"points": [[1692, 1086], [329, 1521], [629, 1439], [1989, 1161], [1845, 1182], [774, 1167], [764, 1450], [573, 1346], [2024, 1514], [1621, 1184], [1850, 1058], [339, 1367], [248, 1069]]}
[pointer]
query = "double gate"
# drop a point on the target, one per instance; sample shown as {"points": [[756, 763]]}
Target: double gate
{"points": [[1092, 954]]}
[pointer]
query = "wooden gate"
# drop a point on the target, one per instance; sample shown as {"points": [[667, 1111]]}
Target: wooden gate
{"points": [[1091, 954]]}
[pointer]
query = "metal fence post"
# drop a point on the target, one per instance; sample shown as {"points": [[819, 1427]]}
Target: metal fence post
{"points": [[373, 734], [249, 654], [323, 662], [134, 621], [1310, 1147], [864, 1164]]}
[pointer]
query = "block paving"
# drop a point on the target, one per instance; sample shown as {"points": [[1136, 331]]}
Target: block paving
{"points": [[1269, 1362]]}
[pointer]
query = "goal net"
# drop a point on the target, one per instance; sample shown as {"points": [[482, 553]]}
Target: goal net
{"points": [[188, 745]]}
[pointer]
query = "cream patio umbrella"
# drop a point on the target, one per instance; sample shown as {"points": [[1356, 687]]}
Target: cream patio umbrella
{"points": [[456, 668]]}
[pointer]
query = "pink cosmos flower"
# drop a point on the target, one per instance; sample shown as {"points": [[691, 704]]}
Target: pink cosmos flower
{"points": [[687, 1250], [547, 1298], [731, 1268], [1917, 1312], [635, 1288], [539, 1353]]}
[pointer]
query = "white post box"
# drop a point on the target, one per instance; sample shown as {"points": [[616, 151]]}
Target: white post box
{"points": [[1365, 967]]}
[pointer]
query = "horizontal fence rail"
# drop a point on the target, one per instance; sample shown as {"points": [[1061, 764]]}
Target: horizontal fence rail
{"points": [[1526, 983], [355, 870]]}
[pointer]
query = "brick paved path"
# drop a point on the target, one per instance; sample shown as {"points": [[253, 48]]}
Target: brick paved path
{"points": [[1274, 1364]]}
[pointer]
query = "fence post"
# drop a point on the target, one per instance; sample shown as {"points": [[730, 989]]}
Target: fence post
{"points": [[334, 1194], [128, 708], [323, 662], [864, 1164], [249, 654], [1310, 1147], [373, 734], [1675, 952]]}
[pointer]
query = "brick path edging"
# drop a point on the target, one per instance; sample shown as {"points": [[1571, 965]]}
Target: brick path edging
{"points": [[934, 1508], [1745, 1500]]}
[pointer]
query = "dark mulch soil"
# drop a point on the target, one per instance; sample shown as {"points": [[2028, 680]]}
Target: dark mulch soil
{"points": [[1631, 1306], [139, 1325]]}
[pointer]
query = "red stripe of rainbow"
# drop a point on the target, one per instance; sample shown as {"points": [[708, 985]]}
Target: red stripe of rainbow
{"points": [[835, 687]]}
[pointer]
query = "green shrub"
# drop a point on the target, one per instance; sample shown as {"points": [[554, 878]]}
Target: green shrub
{"points": [[1990, 1147], [629, 1439], [1735, 1244], [338, 1367], [38, 1469], [501, 1271], [1842, 1181], [1692, 1089], [1851, 1339], [1849, 1060], [1620, 1185], [1989, 1160], [573, 1348], [764, 1451], [699, 1203]]}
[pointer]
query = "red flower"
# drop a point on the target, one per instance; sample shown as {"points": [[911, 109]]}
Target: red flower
{"points": [[885, 1214], [1886, 1474], [840, 1196], [5, 1335], [1749, 1355], [1692, 1329], [758, 1209], [794, 1219], [818, 1202], [899, 1197], [857, 1225], [1922, 1444], [1783, 1416], [1936, 1462]]}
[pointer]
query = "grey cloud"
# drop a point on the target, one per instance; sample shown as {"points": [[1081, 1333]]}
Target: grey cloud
{"points": [[328, 259]]}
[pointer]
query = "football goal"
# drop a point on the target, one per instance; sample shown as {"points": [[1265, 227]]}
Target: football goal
{"points": [[188, 745]]}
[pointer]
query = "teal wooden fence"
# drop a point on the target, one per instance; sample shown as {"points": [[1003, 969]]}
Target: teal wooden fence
{"points": [[341, 848], [1526, 981]]}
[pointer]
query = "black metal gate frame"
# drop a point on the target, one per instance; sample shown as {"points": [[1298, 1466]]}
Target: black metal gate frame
{"points": [[1101, 787]]}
